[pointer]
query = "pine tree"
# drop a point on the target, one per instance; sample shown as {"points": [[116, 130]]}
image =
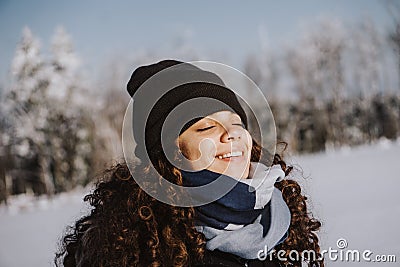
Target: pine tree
{"points": [[49, 129], [68, 125], [317, 67], [64, 65], [3, 152], [27, 115]]}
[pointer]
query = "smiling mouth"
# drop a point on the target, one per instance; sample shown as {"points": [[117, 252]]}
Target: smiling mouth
{"points": [[230, 155]]}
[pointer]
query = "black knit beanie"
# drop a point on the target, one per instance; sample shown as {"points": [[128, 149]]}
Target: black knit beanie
{"points": [[159, 89]]}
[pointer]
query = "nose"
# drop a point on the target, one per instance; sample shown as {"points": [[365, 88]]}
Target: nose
{"points": [[231, 133]]}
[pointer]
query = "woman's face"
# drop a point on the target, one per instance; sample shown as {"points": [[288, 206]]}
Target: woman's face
{"points": [[219, 143]]}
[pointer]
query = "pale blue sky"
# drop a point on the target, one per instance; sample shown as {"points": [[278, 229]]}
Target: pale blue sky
{"points": [[102, 29]]}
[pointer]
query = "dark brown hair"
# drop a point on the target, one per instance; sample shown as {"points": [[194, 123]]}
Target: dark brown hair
{"points": [[128, 227]]}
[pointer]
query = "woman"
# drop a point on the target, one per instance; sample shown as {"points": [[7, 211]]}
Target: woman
{"points": [[130, 225]]}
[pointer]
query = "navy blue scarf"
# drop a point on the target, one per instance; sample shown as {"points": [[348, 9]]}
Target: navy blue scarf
{"points": [[235, 209]]}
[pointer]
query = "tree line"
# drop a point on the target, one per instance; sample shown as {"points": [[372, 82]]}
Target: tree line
{"points": [[336, 86]]}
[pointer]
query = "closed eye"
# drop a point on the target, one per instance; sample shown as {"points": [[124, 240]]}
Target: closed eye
{"points": [[205, 129], [239, 124]]}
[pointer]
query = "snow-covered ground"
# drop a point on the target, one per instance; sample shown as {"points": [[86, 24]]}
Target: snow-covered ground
{"points": [[30, 228], [354, 192]]}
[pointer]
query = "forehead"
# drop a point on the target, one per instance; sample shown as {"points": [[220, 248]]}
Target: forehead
{"points": [[223, 115]]}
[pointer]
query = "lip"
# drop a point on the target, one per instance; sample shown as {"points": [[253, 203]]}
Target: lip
{"points": [[235, 158], [232, 159]]}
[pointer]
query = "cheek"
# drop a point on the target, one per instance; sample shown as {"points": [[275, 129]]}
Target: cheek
{"points": [[196, 149], [248, 139], [185, 149], [189, 148], [207, 147]]}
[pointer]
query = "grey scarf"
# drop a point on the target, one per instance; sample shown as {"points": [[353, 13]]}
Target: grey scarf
{"points": [[246, 241]]}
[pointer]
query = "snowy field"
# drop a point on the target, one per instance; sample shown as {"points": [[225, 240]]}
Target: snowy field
{"points": [[354, 192]]}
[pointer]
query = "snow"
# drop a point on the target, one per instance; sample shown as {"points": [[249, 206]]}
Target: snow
{"points": [[65, 65], [31, 227], [353, 191]]}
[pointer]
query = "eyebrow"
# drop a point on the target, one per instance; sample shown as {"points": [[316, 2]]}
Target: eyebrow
{"points": [[204, 123]]}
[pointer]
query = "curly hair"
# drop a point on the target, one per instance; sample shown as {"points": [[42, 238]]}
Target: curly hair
{"points": [[303, 226], [128, 227]]}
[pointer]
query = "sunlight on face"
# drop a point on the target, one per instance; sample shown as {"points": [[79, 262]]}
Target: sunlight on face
{"points": [[219, 143]]}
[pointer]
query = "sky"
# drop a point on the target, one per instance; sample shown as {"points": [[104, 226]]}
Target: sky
{"points": [[103, 30]]}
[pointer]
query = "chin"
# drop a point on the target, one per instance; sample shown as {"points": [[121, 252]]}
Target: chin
{"points": [[241, 171]]}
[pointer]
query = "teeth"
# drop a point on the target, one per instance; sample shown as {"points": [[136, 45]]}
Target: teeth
{"points": [[236, 154], [228, 155]]}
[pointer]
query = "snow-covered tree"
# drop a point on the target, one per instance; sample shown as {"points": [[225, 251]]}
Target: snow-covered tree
{"points": [[317, 61], [393, 8], [50, 131], [3, 152], [64, 65], [317, 67], [26, 114], [365, 57], [366, 45], [68, 125]]}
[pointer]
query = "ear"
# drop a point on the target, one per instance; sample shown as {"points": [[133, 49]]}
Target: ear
{"points": [[180, 150]]}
